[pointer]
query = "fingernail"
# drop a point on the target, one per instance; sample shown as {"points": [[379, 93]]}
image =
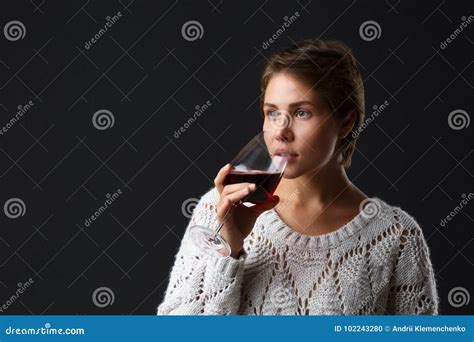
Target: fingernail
{"points": [[252, 186]]}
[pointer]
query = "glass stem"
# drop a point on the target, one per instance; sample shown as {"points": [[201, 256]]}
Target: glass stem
{"points": [[226, 217]]}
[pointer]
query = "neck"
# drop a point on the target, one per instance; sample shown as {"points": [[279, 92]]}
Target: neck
{"points": [[316, 189]]}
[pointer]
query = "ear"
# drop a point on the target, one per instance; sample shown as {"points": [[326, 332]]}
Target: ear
{"points": [[347, 124]]}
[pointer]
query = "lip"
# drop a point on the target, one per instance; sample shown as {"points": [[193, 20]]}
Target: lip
{"points": [[284, 152], [289, 157]]}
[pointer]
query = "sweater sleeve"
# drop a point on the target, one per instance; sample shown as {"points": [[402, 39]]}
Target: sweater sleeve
{"points": [[413, 285], [199, 283]]}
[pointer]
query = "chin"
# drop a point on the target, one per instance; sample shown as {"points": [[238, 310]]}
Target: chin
{"points": [[289, 176], [291, 172]]}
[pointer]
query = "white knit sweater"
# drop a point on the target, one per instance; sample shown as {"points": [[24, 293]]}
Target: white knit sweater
{"points": [[378, 263]]}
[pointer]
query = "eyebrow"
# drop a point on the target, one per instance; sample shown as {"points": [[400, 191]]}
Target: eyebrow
{"points": [[294, 104]]}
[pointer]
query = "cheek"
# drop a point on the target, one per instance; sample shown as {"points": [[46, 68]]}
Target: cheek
{"points": [[266, 124], [320, 138]]}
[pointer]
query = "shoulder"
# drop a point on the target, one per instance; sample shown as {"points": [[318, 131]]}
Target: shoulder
{"points": [[405, 239], [381, 212], [407, 222], [396, 226], [409, 238]]}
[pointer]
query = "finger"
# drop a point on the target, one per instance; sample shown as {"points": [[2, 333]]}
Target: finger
{"points": [[224, 205], [231, 188], [240, 194], [219, 180], [226, 202]]}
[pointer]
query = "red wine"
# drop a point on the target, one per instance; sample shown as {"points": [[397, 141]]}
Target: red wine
{"points": [[265, 182]]}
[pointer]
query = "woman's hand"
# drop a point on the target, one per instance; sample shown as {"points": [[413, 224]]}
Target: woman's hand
{"points": [[242, 219]]}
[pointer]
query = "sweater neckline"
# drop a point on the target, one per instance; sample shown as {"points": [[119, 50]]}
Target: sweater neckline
{"points": [[281, 231]]}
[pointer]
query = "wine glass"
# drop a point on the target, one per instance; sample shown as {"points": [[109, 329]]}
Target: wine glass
{"points": [[262, 162]]}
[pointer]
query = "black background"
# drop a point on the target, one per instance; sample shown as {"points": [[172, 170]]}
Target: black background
{"points": [[151, 79]]}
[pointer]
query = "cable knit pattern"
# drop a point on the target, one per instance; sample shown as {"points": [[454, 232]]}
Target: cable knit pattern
{"points": [[378, 263]]}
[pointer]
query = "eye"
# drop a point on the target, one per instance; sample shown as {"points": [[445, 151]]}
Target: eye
{"points": [[272, 113], [302, 114]]}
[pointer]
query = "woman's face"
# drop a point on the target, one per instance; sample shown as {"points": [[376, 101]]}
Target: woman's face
{"points": [[294, 112]]}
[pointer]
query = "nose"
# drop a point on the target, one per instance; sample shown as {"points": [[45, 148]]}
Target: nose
{"points": [[283, 126], [284, 135]]}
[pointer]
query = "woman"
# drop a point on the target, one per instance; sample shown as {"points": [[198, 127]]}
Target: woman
{"points": [[320, 246]]}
